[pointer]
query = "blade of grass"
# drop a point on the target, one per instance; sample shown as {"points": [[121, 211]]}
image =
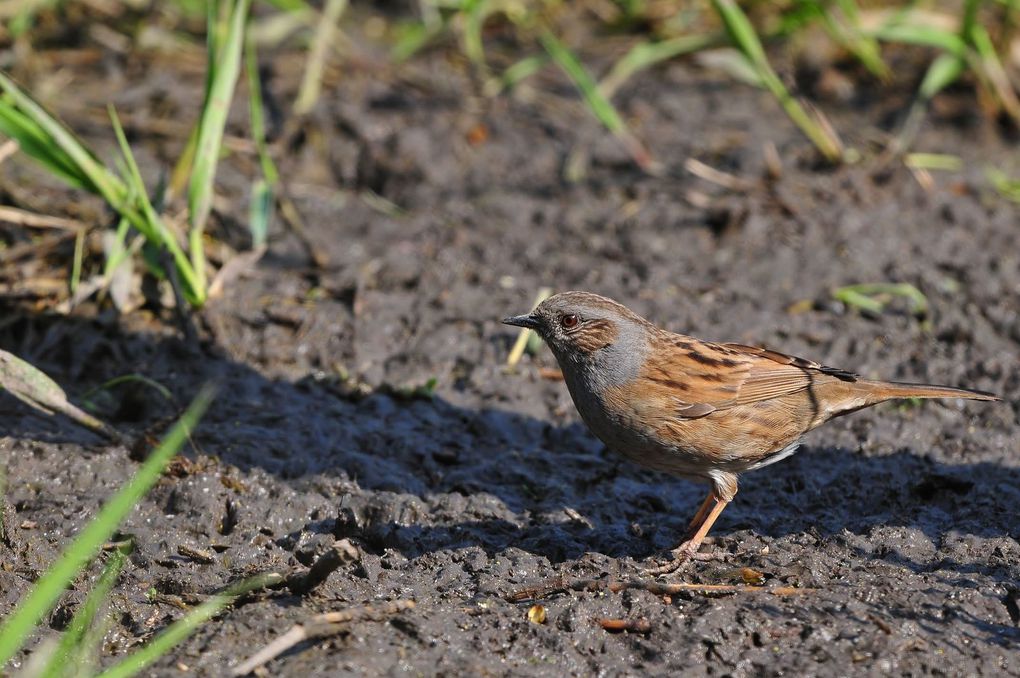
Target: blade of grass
{"points": [[992, 72], [122, 251], [155, 231], [17, 627], [33, 141], [733, 63], [515, 73], [944, 71], [185, 626], [599, 106], [474, 13], [259, 212], [412, 38], [35, 388], [869, 296], [1007, 186], [260, 209], [739, 27], [210, 136], [256, 108], [290, 5], [182, 169], [311, 83], [926, 36], [105, 183], [646, 54], [848, 33], [934, 161], [63, 147], [162, 390], [71, 643]]}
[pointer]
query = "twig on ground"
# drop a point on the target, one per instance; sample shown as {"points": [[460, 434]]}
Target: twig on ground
{"points": [[19, 217], [320, 626], [639, 625], [198, 555], [716, 176], [561, 584]]}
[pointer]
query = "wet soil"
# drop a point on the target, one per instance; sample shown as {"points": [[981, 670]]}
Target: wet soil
{"points": [[439, 211]]}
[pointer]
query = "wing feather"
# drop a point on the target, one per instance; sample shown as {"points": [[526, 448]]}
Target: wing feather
{"points": [[703, 377]]}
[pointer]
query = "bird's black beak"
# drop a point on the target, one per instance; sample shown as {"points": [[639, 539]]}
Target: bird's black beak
{"points": [[529, 321]]}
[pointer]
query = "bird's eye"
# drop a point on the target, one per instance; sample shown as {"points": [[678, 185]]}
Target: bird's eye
{"points": [[569, 320]]}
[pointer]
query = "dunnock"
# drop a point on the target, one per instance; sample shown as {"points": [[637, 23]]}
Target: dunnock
{"points": [[696, 409]]}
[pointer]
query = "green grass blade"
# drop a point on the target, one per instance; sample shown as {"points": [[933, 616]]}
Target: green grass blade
{"points": [[475, 13], [412, 38], [18, 626], [646, 54], [290, 5], [925, 36], [934, 161], [873, 297], [259, 212], [133, 378], [121, 252], [311, 83], [743, 35], [210, 136], [733, 63], [740, 30], [182, 169], [597, 103], [106, 184], [943, 71], [515, 73], [185, 626], [969, 22], [1007, 186], [152, 226], [848, 33], [71, 642], [992, 72], [261, 207], [32, 140], [256, 108]]}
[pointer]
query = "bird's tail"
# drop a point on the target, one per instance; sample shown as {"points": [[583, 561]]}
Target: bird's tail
{"points": [[879, 391]]}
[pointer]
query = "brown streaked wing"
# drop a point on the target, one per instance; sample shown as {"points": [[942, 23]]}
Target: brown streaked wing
{"points": [[774, 374], [703, 377], [786, 359], [697, 376]]}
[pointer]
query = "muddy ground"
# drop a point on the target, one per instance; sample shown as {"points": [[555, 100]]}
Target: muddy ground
{"points": [[900, 523]]}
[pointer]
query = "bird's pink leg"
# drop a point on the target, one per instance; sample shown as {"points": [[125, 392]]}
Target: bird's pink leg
{"points": [[699, 517], [696, 533]]}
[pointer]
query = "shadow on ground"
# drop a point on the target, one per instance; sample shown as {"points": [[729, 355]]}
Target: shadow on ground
{"points": [[419, 475]]}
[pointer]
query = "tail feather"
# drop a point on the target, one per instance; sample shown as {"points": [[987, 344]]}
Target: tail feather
{"points": [[889, 390]]}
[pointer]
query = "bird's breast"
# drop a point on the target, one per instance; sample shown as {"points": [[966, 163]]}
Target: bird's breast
{"points": [[620, 421]]}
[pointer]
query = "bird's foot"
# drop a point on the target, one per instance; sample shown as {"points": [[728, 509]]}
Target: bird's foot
{"points": [[677, 559]]}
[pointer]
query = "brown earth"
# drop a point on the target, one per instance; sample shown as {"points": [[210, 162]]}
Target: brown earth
{"points": [[902, 521]]}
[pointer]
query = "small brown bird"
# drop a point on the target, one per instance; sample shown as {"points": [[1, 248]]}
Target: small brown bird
{"points": [[693, 408]]}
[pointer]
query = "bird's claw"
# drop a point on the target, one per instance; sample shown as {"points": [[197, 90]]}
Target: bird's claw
{"points": [[677, 558]]}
